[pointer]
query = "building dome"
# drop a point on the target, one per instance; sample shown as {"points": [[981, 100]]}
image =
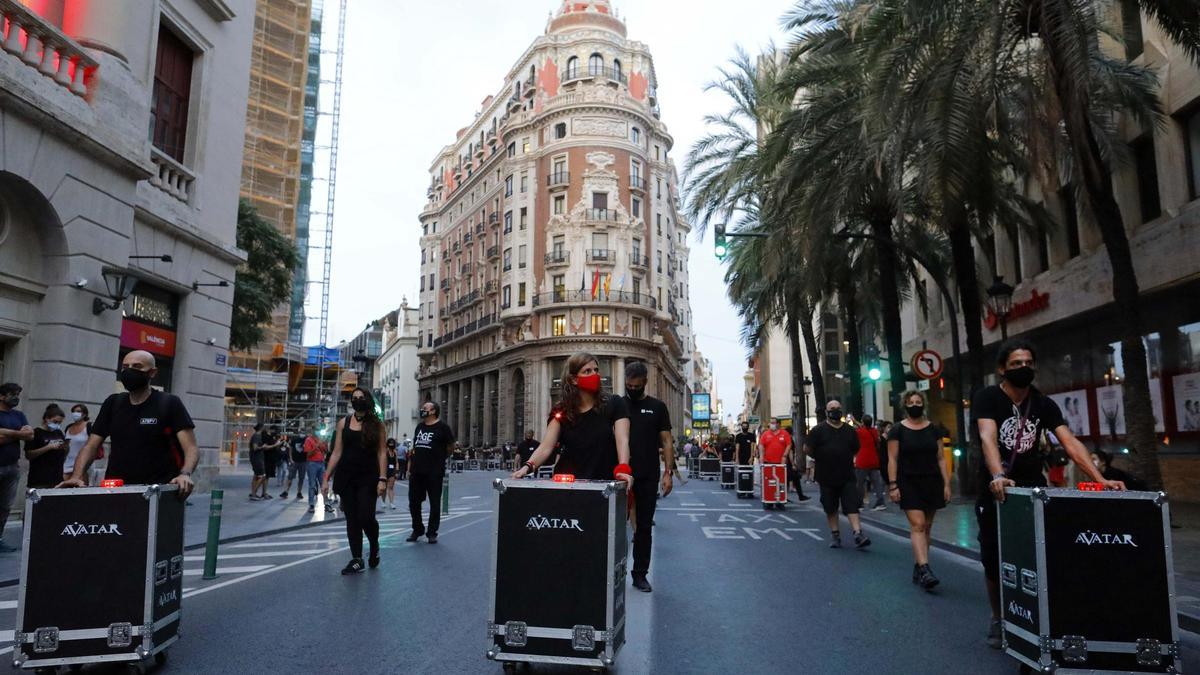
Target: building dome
{"points": [[576, 14]]}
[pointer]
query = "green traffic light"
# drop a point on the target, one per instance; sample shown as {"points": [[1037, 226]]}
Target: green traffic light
{"points": [[874, 373], [958, 452], [721, 250]]}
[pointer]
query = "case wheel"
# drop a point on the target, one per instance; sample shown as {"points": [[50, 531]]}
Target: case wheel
{"points": [[1024, 669], [160, 659], [510, 667]]}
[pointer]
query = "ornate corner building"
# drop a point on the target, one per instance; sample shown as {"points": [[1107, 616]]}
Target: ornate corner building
{"points": [[553, 226]]}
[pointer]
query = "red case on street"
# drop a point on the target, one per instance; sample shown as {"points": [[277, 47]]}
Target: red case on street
{"points": [[774, 483]]}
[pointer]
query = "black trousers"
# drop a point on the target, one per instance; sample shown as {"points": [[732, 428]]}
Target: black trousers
{"points": [[420, 486], [645, 500], [401, 469], [795, 478], [358, 503]]}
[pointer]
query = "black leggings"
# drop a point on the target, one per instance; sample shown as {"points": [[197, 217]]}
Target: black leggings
{"points": [[358, 503]]}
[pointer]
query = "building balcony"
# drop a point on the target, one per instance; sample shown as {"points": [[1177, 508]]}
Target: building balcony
{"points": [[639, 261], [559, 180], [444, 312], [465, 330], [602, 256], [456, 247], [46, 50], [445, 284], [479, 152], [491, 287], [602, 215], [493, 252], [494, 219], [467, 237], [170, 176], [480, 229], [530, 87], [638, 183], [557, 259], [564, 297], [445, 255], [465, 269]]}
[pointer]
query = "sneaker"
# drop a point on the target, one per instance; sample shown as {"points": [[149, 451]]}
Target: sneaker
{"points": [[413, 537], [640, 583], [283, 495], [355, 566], [432, 537], [298, 495], [803, 498], [373, 561], [835, 539], [916, 577], [5, 547], [879, 507], [255, 498], [329, 508], [312, 509], [861, 540], [995, 637], [267, 496], [928, 580]]}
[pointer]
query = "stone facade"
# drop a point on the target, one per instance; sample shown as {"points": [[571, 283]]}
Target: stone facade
{"points": [[553, 226], [83, 190]]}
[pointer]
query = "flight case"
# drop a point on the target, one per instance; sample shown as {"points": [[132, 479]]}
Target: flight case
{"points": [[745, 481], [1087, 583], [774, 485], [559, 556], [710, 468], [101, 576], [728, 473]]}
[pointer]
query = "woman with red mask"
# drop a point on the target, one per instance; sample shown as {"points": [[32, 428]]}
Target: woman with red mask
{"points": [[592, 427]]}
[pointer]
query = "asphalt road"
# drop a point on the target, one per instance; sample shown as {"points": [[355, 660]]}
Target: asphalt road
{"points": [[736, 589]]}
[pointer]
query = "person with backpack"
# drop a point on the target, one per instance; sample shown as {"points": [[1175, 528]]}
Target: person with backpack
{"points": [[151, 435]]}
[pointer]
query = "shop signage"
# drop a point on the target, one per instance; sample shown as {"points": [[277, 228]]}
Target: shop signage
{"points": [[701, 424], [159, 341], [1037, 302], [701, 407]]}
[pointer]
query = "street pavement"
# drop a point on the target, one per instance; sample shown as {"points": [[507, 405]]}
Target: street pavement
{"points": [[736, 589]]}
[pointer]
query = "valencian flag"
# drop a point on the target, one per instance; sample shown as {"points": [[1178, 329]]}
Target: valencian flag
{"points": [[608, 286], [595, 283]]}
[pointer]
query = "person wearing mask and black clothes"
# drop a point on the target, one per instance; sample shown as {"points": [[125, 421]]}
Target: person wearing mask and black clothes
{"points": [[918, 479], [297, 466], [151, 435], [593, 428], [1102, 460], [833, 444], [47, 450], [393, 467], [526, 447], [746, 443], [271, 443], [649, 434], [433, 441], [14, 428], [258, 470], [358, 469], [1010, 418], [727, 451]]}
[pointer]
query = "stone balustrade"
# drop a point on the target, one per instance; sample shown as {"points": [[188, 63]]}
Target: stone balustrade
{"points": [[170, 176], [45, 48]]}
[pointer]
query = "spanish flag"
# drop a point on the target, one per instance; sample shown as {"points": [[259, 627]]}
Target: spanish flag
{"points": [[595, 283], [607, 285]]}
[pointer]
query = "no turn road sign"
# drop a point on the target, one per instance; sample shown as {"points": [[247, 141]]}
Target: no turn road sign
{"points": [[927, 364]]}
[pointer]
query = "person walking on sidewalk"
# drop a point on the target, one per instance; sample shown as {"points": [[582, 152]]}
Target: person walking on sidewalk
{"points": [[918, 479], [77, 430], [433, 441], [402, 450], [257, 463], [47, 450], [314, 460], [297, 466], [271, 443], [358, 469], [393, 464], [1010, 417], [14, 429], [649, 433], [833, 444], [866, 463]]}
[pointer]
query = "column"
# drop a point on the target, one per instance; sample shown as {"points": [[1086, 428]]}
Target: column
{"points": [[504, 410], [489, 413], [619, 376], [464, 412]]}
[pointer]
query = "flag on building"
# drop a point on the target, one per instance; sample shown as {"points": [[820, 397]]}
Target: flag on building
{"points": [[608, 286], [595, 283]]}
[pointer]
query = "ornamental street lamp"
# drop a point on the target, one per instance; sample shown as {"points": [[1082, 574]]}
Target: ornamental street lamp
{"points": [[360, 364], [119, 285], [1000, 302]]}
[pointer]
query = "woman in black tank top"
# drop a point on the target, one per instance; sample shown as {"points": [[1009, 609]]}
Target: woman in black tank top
{"points": [[358, 468]]}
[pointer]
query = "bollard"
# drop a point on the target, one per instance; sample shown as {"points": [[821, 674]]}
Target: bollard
{"points": [[446, 495], [214, 535]]}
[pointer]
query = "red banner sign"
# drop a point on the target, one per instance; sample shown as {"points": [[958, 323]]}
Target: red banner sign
{"points": [[1037, 302], [158, 341]]}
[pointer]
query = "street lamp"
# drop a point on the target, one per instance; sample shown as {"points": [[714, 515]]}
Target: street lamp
{"points": [[119, 285], [1000, 302], [360, 364]]}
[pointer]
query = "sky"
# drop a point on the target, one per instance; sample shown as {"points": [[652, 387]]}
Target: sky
{"points": [[415, 71]]}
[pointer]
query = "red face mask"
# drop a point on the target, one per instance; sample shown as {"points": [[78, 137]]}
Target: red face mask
{"points": [[589, 383]]}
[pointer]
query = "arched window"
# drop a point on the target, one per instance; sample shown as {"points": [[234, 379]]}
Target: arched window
{"points": [[595, 64], [572, 67], [617, 75], [532, 73]]}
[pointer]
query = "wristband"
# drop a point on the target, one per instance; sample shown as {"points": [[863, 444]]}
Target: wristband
{"points": [[998, 476], [186, 473], [623, 468], [532, 467], [383, 480]]}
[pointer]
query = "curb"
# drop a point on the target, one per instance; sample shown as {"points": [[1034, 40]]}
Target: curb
{"points": [[1187, 622]]}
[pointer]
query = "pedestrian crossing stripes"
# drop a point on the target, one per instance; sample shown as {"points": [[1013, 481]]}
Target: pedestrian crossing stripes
{"points": [[243, 569]]}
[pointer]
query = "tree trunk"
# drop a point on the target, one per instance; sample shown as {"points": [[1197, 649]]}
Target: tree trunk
{"points": [[848, 302], [889, 295], [799, 419], [969, 303], [1096, 181], [814, 354]]}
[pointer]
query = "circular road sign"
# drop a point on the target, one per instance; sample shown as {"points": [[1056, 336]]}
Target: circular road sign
{"points": [[927, 364]]}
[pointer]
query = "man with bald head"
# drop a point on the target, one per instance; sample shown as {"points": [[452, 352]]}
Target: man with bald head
{"points": [[151, 433]]}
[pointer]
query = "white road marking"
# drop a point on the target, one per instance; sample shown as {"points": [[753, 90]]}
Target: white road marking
{"points": [[229, 570], [470, 497], [723, 510], [256, 554], [333, 538], [8, 604], [810, 531], [691, 503]]}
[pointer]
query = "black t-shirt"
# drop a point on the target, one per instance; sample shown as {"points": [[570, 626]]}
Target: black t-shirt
{"points": [[256, 441], [142, 437], [589, 448], [745, 441], [46, 470], [298, 454], [727, 451], [10, 451], [525, 449], [431, 442], [833, 451], [919, 448], [648, 418], [1018, 429]]}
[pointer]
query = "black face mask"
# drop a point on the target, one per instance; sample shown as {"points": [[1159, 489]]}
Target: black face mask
{"points": [[359, 404], [13, 401], [134, 380], [426, 413], [915, 411], [635, 393], [1020, 377], [835, 414]]}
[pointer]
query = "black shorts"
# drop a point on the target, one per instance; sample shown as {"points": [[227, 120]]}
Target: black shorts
{"points": [[844, 495], [257, 463], [391, 470], [989, 536], [270, 464]]}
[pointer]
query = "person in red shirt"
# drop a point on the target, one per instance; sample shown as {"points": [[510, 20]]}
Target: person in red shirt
{"points": [[775, 447], [866, 462], [315, 451]]}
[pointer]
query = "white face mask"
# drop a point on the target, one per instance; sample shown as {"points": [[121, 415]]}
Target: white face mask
{"points": [[53, 426], [76, 416]]}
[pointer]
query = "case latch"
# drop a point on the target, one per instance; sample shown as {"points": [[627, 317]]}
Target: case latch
{"points": [[45, 640], [1149, 652], [1074, 648], [583, 638], [120, 634], [160, 572], [176, 567], [516, 634], [1008, 574]]}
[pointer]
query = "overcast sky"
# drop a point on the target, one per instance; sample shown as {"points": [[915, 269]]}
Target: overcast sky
{"points": [[417, 70]]}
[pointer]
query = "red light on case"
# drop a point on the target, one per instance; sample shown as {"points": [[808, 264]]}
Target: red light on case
{"points": [[112, 482], [1091, 487], [564, 478]]}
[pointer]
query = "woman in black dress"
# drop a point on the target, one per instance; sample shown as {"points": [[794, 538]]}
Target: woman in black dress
{"points": [[592, 427], [918, 478], [47, 450], [358, 469]]}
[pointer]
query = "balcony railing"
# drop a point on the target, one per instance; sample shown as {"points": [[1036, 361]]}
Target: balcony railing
{"points": [[638, 183], [465, 330], [170, 176], [557, 258], [602, 256], [480, 229], [493, 252], [445, 255], [46, 48], [574, 297], [601, 214], [445, 284], [494, 218], [492, 287], [457, 247], [636, 260], [558, 179], [466, 268], [583, 73], [467, 237]]}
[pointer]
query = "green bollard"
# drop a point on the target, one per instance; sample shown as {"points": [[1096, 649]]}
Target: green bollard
{"points": [[446, 495], [214, 535]]}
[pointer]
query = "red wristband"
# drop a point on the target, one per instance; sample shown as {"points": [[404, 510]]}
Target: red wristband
{"points": [[623, 468]]}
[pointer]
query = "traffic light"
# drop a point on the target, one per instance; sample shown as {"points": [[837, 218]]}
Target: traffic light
{"points": [[720, 246], [378, 395], [874, 372]]}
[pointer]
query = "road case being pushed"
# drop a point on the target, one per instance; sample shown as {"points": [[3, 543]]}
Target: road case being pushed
{"points": [[728, 475], [1087, 583], [710, 468], [774, 485], [101, 576], [745, 481], [559, 558]]}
